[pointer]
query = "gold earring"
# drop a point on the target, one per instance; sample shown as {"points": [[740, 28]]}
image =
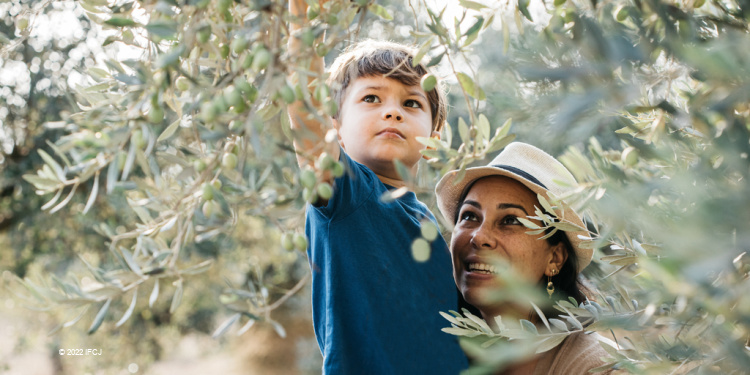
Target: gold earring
{"points": [[550, 286]]}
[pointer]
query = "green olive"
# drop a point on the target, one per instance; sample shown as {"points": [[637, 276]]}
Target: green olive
{"points": [[331, 107], [241, 84], [429, 82], [300, 242], [199, 165], [229, 161], [233, 96], [420, 250], [155, 115], [223, 5], [630, 156], [22, 23], [325, 191], [307, 178], [210, 207], [307, 38], [138, 139], [220, 103], [261, 59], [312, 13], [309, 195], [209, 112], [286, 241], [429, 230], [287, 94], [325, 161], [321, 92], [207, 191], [204, 34], [247, 61], [338, 169], [224, 50], [239, 44], [182, 83], [621, 13]]}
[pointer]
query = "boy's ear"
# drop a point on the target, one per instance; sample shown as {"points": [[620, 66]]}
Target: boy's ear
{"points": [[435, 134], [337, 125]]}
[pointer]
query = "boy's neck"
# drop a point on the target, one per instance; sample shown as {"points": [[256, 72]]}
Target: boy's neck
{"points": [[397, 183]]}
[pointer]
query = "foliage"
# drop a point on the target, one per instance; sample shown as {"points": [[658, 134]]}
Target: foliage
{"points": [[645, 101], [649, 102]]}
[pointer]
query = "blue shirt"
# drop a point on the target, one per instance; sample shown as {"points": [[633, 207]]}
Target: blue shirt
{"points": [[375, 309]]}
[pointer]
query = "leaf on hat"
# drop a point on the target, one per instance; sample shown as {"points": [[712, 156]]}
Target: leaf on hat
{"points": [[528, 223], [547, 206], [587, 244], [550, 342], [548, 235], [568, 226]]}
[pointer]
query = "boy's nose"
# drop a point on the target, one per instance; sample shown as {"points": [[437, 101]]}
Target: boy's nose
{"points": [[393, 113]]}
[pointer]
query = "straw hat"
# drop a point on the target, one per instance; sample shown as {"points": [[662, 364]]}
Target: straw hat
{"points": [[535, 169]]}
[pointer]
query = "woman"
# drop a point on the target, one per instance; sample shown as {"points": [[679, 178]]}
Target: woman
{"points": [[485, 207]]}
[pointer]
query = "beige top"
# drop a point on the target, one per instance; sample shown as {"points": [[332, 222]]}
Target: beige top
{"points": [[578, 354]]}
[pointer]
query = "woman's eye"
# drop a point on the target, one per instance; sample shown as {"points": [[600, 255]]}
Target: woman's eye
{"points": [[412, 104], [511, 220], [468, 216], [371, 99]]}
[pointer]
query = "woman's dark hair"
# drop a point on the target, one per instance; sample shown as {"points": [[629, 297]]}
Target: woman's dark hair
{"points": [[567, 283]]}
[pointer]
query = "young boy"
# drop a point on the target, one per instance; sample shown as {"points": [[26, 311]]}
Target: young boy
{"points": [[375, 309]]}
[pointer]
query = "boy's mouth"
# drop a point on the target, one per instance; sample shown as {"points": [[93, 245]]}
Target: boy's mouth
{"points": [[392, 132]]}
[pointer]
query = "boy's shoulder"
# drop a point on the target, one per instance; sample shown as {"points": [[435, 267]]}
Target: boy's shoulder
{"points": [[360, 187]]}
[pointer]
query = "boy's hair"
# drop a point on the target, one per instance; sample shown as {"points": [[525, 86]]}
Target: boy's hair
{"points": [[393, 60]]}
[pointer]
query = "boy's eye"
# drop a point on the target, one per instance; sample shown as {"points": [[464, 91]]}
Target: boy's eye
{"points": [[412, 104], [371, 99]]}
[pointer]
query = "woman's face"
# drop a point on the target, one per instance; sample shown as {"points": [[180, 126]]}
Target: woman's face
{"points": [[488, 229]]}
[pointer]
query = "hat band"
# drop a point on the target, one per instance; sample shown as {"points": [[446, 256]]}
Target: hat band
{"points": [[521, 173]]}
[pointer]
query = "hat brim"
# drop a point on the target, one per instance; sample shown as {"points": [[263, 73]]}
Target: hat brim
{"points": [[449, 191]]}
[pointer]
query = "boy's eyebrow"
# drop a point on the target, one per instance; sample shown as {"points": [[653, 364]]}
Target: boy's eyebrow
{"points": [[417, 93], [414, 92]]}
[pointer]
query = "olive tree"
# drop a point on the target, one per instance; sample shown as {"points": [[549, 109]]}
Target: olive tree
{"points": [[645, 101]]}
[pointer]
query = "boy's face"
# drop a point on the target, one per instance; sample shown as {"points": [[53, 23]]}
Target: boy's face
{"points": [[379, 121]]}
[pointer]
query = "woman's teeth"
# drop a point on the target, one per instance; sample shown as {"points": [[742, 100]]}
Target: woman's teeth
{"points": [[482, 268]]}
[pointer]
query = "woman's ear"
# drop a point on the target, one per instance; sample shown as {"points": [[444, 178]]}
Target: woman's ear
{"points": [[558, 256]]}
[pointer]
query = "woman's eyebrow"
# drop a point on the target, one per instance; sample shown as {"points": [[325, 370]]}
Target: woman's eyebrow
{"points": [[472, 203], [503, 206]]}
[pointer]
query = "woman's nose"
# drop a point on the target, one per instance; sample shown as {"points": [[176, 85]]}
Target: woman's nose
{"points": [[483, 238]]}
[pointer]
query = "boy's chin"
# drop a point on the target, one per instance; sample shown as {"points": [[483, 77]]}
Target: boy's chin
{"points": [[384, 161]]}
